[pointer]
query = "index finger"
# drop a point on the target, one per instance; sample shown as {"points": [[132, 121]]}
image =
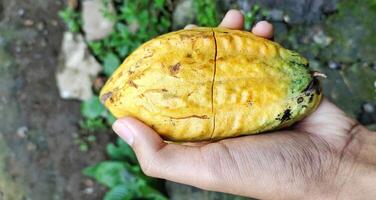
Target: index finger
{"points": [[263, 29], [233, 19]]}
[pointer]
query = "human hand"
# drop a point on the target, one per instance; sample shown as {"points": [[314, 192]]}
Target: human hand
{"points": [[325, 156]]}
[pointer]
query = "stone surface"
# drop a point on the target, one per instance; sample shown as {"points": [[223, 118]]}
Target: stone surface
{"points": [[95, 25], [361, 81], [296, 11], [77, 68], [368, 116], [10, 188], [182, 14], [276, 15], [353, 31]]}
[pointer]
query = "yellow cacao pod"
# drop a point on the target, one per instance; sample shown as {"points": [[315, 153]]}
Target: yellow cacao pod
{"points": [[212, 83]]}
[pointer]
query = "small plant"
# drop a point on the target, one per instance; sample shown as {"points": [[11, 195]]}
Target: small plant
{"points": [[254, 14], [72, 19], [123, 175], [95, 114], [206, 12], [135, 23]]}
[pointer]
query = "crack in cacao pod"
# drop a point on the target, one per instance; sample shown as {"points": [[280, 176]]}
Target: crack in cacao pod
{"points": [[213, 82]]}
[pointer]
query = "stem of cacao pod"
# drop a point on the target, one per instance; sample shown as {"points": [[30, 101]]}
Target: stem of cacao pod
{"points": [[318, 74]]}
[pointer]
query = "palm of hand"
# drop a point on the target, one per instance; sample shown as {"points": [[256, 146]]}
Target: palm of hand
{"points": [[304, 158]]}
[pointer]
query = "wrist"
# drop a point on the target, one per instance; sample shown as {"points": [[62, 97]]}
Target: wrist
{"points": [[360, 182]]}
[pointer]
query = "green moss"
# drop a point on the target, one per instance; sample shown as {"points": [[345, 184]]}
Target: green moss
{"points": [[361, 81], [206, 12], [353, 31]]}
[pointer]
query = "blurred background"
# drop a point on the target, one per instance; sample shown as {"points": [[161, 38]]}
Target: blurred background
{"points": [[55, 55]]}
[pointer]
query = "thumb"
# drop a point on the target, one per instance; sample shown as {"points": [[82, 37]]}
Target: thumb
{"points": [[179, 163], [137, 134], [144, 140]]}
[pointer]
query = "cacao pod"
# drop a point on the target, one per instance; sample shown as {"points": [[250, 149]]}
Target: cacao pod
{"points": [[212, 83]]}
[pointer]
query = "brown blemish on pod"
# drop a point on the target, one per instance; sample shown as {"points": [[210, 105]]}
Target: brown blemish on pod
{"points": [[174, 69], [105, 96]]}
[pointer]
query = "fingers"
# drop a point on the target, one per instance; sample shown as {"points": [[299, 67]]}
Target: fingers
{"points": [[190, 26], [233, 20], [263, 29], [174, 162], [128, 129]]}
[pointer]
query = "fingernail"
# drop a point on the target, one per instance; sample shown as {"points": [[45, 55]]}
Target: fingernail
{"points": [[121, 128], [256, 25], [190, 26], [260, 24]]}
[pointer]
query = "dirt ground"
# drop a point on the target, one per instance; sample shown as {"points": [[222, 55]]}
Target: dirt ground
{"points": [[38, 157]]}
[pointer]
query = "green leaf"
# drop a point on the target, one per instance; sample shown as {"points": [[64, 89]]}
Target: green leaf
{"points": [[123, 50], [84, 147], [71, 18], [108, 173], [92, 124], [165, 23], [97, 47], [91, 138], [110, 63], [92, 108], [110, 119], [121, 151], [151, 193], [114, 152], [251, 16], [122, 28], [120, 192], [205, 11], [159, 3]]}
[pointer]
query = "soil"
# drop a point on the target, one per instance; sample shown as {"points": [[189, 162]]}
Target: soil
{"points": [[38, 157]]}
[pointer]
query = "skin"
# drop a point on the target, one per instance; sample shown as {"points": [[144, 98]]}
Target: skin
{"points": [[325, 156]]}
